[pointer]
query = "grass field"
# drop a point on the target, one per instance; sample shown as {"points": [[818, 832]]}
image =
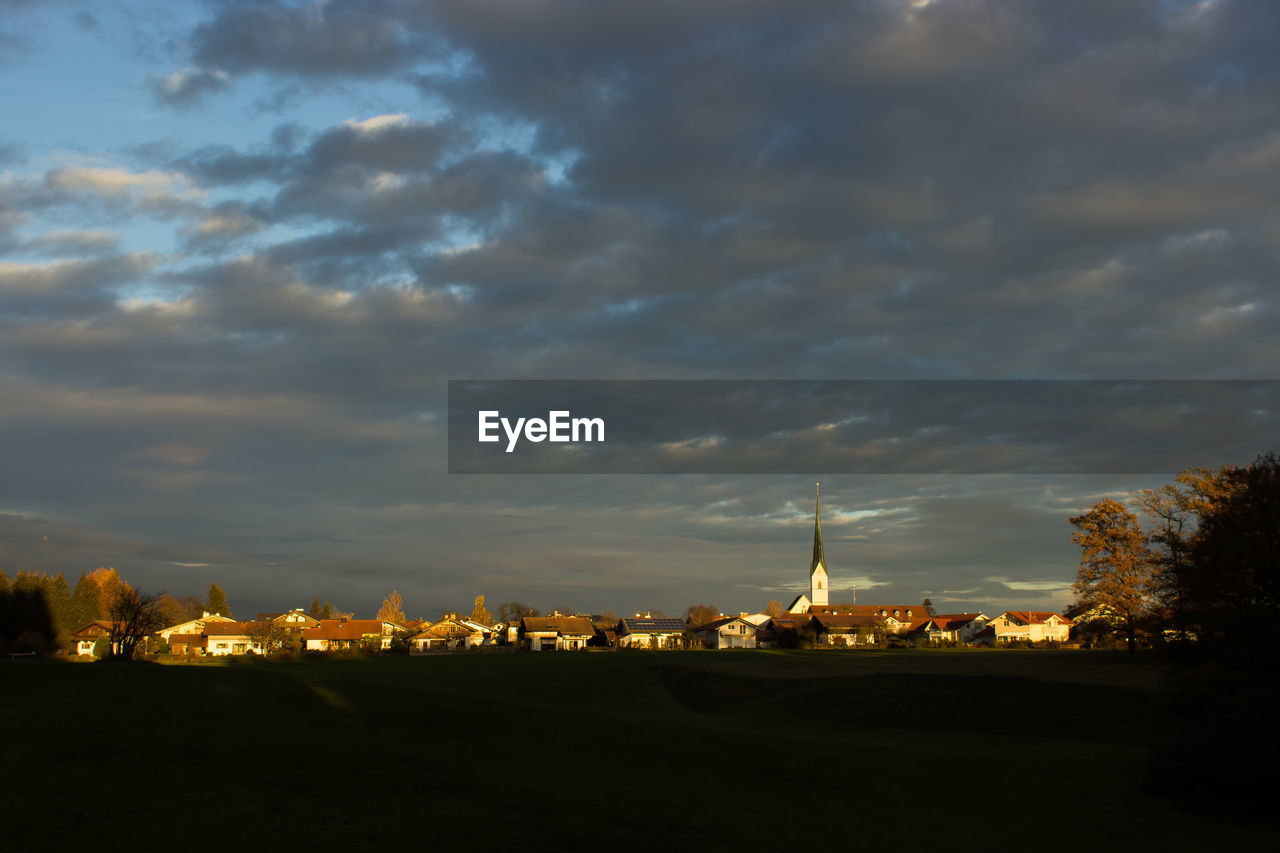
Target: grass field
{"points": [[615, 751]]}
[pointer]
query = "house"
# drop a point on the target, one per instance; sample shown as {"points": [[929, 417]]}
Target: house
{"points": [[1033, 625], [555, 633], [229, 638], [182, 644], [192, 626], [650, 632], [954, 627], [449, 634], [840, 629], [86, 638], [340, 634], [295, 619], [898, 618], [729, 632]]}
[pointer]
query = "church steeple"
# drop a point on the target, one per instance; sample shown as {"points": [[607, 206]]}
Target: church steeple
{"points": [[819, 582], [819, 558]]}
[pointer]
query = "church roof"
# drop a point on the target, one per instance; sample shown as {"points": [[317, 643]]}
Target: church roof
{"points": [[818, 555]]}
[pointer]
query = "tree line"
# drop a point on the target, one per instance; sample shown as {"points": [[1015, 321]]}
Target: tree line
{"points": [[1198, 558]]}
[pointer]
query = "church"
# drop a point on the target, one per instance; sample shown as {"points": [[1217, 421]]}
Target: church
{"points": [[819, 580]]}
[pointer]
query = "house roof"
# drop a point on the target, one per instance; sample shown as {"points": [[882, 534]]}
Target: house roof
{"points": [[650, 625], [1034, 617], [847, 620], [226, 629], [900, 612], [94, 628], [717, 624], [343, 629], [186, 639], [564, 625], [952, 621]]}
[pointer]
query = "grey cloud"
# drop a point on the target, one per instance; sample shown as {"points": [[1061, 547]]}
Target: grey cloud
{"points": [[189, 87]]}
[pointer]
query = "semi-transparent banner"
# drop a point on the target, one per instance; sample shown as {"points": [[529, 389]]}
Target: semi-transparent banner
{"points": [[857, 426]]}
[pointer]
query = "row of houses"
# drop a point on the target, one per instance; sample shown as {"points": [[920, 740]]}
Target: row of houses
{"points": [[835, 626]]}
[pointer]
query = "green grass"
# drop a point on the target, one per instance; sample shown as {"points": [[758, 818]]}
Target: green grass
{"points": [[563, 751]]}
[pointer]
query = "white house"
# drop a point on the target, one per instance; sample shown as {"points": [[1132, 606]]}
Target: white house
{"points": [[192, 626], [556, 633], [731, 632], [650, 632], [1034, 625]]}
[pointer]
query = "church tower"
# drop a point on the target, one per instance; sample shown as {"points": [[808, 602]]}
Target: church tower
{"points": [[819, 582]]}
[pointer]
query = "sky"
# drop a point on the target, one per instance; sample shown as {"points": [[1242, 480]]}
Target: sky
{"points": [[245, 246]]}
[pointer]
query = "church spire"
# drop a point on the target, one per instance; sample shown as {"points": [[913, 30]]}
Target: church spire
{"points": [[818, 556]]}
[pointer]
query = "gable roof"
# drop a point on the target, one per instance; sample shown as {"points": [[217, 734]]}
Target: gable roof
{"points": [[226, 629], [343, 629], [650, 625], [94, 628], [952, 621], [563, 625], [1034, 617], [717, 624], [842, 621]]}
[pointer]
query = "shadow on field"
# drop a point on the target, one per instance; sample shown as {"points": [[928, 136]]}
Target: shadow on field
{"points": [[945, 703]]}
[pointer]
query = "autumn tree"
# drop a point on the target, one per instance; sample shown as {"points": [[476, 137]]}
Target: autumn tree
{"points": [[170, 610], [133, 617], [216, 601], [392, 609], [700, 614], [106, 586], [480, 613], [928, 607], [773, 608], [1116, 568]]}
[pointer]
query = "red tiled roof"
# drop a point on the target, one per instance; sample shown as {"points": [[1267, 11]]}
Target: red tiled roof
{"points": [[96, 628], [343, 629], [853, 620]]}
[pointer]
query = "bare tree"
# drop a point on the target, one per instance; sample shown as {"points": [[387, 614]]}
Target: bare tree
{"points": [[134, 616], [268, 634]]}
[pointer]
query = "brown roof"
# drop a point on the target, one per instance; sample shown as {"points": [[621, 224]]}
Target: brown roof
{"points": [[564, 625], [827, 621], [96, 628], [186, 639], [226, 629], [917, 611], [444, 629], [343, 629], [719, 623]]}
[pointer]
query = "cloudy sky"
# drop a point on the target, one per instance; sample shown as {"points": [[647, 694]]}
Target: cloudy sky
{"points": [[244, 246]]}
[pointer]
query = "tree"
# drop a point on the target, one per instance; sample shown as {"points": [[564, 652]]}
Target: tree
{"points": [[773, 608], [314, 611], [1229, 581], [480, 613], [170, 610], [700, 614], [216, 601], [510, 612], [133, 617], [267, 633], [326, 612], [928, 607], [392, 609], [1117, 571], [106, 586]]}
